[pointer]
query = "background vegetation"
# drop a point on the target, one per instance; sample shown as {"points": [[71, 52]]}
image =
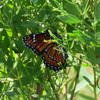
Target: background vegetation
{"points": [[23, 75]]}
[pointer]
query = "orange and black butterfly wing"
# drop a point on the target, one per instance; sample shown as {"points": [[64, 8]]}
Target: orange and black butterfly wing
{"points": [[36, 42], [47, 49], [53, 58]]}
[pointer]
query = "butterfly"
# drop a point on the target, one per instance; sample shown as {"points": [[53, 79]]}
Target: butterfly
{"points": [[50, 51]]}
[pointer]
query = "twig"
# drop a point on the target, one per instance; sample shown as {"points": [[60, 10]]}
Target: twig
{"points": [[76, 79]]}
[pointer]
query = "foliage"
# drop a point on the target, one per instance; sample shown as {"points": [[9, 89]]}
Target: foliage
{"points": [[23, 75]]}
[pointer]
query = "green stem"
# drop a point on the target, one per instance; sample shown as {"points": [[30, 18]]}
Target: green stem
{"points": [[76, 79], [95, 94], [52, 86]]}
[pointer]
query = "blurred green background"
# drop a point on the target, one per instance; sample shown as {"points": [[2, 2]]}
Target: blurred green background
{"points": [[23, 75]]}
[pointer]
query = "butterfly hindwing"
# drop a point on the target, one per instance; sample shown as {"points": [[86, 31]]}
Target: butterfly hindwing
{"points": [[53, 58]]}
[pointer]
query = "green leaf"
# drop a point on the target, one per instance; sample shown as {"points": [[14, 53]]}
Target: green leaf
{"points": [[18, 46], [72, 8], [9, 63], [5, 42], [98, 27], [86, 97], [97, 51], [96, 12], [87, 79], [97, 37], [30, 24], [91, 56], [69, 19], [40, 96], [1, 86]]}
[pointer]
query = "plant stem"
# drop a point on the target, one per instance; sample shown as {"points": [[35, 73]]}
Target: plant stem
{"points": [[52, 86], [95, 94], [76, 79]]}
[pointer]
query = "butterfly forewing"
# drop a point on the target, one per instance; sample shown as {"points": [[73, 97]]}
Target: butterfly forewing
{"points": [[37, 42]]}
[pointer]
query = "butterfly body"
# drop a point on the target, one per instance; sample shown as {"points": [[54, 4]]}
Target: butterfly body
{"points": [[40, 43]]}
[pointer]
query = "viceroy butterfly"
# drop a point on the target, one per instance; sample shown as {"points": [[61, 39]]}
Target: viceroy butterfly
{"points": [[53, 58]]}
